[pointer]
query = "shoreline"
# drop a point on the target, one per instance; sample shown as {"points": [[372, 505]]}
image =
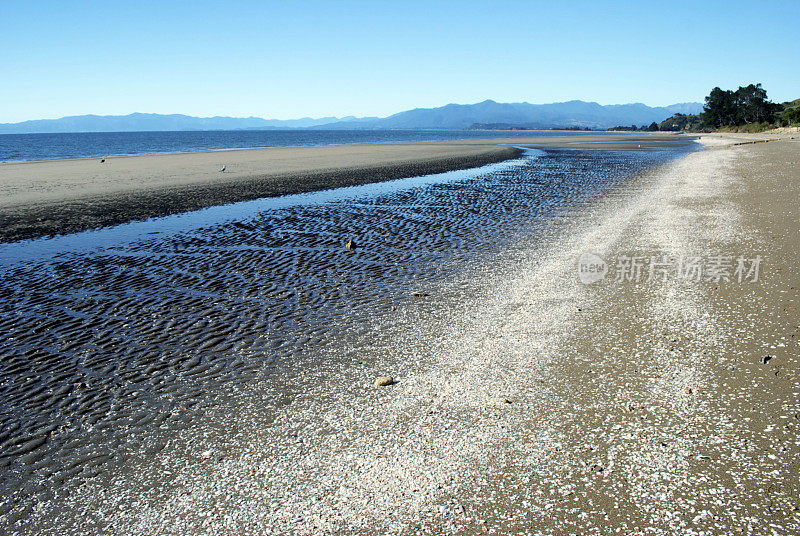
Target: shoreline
{"points": [[55, 197], [263, 147]]}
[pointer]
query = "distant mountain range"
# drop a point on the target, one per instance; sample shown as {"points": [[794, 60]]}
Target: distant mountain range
{"points": [[486, 114], [139, 122], [523, 115]]}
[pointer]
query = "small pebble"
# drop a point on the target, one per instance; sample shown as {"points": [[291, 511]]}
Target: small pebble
{"points": [[383, 381]]}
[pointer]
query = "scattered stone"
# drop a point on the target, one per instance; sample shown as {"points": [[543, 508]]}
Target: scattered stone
{"points": [[507, 401], [766, 359], [206, 454], [419, 294], [383, 381], [350, 245]]}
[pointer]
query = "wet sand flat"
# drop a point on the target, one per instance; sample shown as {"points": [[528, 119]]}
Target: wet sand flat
{"points": [[124, 357], [65, 196], [526, 402], [529, 403]]}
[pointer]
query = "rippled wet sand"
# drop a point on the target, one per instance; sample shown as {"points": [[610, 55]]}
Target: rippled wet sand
{"points": [[107, 355]]}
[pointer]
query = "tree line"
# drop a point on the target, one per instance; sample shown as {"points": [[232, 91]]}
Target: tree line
{"points": [[746, 108]]}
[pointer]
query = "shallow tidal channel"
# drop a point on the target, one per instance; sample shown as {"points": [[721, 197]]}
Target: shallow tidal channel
{"points": [[113, 342]]}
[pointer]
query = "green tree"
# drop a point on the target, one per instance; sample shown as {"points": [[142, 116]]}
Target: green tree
{"points": [[746, 105], [752, 105], [720, 108]]}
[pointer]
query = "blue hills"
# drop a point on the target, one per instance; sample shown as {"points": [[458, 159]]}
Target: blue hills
{"points": [[486, 114]]}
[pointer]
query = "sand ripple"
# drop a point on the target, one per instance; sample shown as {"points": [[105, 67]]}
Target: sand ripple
{"points": [[106, 356]]}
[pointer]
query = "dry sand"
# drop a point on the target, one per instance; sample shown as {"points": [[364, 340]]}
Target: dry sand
{"points": [[64, 196], [537, 405]]}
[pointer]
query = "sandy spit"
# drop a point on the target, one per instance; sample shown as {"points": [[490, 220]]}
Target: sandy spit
{"points": [[65, 196]]}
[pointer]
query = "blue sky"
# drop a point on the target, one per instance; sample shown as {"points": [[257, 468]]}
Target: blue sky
{"points": [[293, 59]]}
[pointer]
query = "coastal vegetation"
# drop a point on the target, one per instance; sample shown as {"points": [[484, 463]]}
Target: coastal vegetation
{"points": [[746, 109], [791, 113]]}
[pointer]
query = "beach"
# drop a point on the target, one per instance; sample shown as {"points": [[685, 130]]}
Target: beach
{"points": [[399, 269], [524, 400], [53, 197]]}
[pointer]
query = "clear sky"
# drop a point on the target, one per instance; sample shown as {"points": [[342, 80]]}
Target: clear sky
{"points": [[292, 59]]}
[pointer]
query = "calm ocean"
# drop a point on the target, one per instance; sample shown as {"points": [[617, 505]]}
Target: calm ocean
{"points": [[15, 147]]}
